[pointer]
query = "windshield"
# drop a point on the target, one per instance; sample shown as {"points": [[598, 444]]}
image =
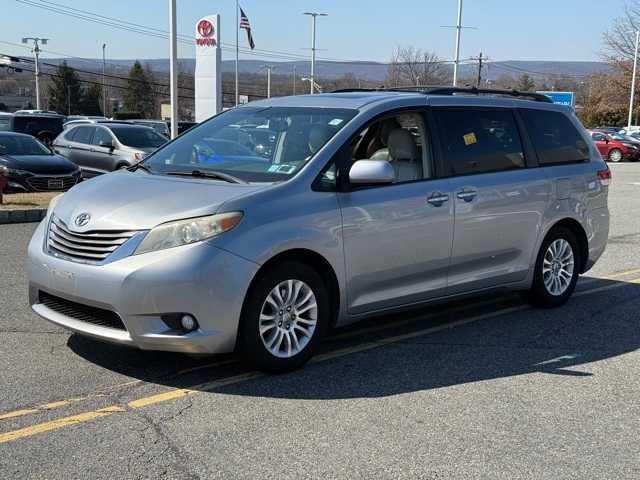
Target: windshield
{"points": [[254, 144], [139, 137], [18, 145]]}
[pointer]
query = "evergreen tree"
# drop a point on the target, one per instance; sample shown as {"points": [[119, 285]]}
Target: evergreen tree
{"points": [[139, 96], [525, 83], [65, 90], [90, 103]]}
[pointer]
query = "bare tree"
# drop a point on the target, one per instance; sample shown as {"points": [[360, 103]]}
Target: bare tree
{"points": [[411, 66], [619, 41]]}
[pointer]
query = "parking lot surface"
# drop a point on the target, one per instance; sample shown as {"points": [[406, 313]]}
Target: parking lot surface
{"points": [[480, 388]]}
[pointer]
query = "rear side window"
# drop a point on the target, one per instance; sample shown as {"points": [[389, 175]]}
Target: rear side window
{"points": [[480, 140], [555, 138], [83, 135]]}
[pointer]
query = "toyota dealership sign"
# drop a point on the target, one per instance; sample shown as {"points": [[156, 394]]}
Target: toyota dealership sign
{"points": [[208, 81]]}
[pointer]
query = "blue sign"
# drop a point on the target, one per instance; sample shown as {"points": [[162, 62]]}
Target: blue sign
{"points": [[561, 98]]}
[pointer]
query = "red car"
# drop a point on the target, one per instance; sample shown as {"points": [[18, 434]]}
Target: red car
{"points": [[615, 148]]}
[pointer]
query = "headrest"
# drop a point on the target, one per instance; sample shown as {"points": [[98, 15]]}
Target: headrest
{"points": [[402, 146]]}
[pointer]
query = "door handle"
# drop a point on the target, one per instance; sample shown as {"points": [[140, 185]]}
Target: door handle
{"points": [[437, 199], [467, 195]]}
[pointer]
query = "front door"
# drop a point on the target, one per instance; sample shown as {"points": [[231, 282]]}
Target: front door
{"points": [[397, 237]]}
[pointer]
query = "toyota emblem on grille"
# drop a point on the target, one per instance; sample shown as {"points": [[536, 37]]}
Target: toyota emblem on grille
{"points": [[82, 219]]}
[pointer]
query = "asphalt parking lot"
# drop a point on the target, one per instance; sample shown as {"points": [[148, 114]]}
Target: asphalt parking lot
{"points": [[484, 388]]}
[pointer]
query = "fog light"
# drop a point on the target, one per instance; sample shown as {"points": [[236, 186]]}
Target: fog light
{"points": [[188, 323]]}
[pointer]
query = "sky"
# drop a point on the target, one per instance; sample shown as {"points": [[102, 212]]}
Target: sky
{"points": [[353, 30]]}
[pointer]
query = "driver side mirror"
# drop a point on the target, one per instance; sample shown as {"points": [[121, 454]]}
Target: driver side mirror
{"points": [[371, 172]]}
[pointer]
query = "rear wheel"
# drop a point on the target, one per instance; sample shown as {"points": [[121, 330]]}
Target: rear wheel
{"points": [[615, 155], [557, 269], [285, 316]]}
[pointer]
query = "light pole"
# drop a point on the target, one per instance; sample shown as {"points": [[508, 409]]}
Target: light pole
{"points": [[104, 83], [313, 16], [268, 68], [173, 67], [295, 74], [633, 79], [36, 51]]}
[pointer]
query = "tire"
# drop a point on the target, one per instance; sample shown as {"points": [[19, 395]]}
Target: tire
{"points": [[554, 293], [275, 349], [615, 155], [122, 166]]}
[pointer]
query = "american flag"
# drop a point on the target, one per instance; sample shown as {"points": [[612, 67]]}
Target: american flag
{"points": [[244, 23]]}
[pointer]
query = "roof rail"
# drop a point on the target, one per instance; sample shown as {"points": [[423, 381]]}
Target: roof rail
{"points": [[431, 90]]}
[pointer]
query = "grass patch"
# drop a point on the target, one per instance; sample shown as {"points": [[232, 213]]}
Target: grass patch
{"points": [[20, 201]]}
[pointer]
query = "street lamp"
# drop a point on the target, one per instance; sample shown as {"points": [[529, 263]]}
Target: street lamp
{"points": [[36, 51], [104, 83], [633, 79], [313, 16]]}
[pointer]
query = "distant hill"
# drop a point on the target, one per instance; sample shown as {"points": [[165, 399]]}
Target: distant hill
{"points": [[372, 71]]}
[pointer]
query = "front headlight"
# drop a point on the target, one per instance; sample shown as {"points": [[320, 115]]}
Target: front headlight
{"points": [[53, 202], [184, 232]]}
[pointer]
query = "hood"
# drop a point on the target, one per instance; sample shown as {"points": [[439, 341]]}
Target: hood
{"points": [[39, 164], [125, 200]]}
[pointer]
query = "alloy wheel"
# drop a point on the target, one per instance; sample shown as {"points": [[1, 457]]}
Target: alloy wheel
{"points": [[557, 267]]}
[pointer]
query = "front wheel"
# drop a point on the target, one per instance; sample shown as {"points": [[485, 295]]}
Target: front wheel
{"points": [[557, 269], [285, 316], [615, 155]]}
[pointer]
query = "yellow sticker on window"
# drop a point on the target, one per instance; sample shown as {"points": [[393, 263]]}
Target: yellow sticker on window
{"points": [[470, 139]]}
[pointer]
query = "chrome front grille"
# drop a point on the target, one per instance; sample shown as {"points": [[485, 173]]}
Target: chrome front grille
{"points": [[89, 247]]}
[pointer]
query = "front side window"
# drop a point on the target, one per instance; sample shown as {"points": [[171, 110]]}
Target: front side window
{"points": [[253, 144], [554, 137], [18, 145], [5, 123], [139, 137], [598, 137], [480, 140], [401, 140], [101, 137]]}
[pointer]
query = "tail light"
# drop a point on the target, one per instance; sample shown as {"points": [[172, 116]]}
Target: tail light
{"points": [[605, 177]]}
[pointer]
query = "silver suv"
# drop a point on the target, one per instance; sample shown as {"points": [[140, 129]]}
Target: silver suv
{"points": [[270, 223], [104, 146]]}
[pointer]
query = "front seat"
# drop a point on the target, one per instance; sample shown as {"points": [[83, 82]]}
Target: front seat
{"points": [[404, 156]]}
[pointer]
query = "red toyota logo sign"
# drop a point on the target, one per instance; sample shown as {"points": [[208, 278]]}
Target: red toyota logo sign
{"points": [[205, 28]]}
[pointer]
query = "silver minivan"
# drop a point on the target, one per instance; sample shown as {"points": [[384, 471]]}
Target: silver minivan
{"points": [[270, 223]]}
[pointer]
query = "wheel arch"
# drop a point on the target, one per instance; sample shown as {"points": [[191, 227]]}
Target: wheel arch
{"points": [[577, 229], [316, 261]]}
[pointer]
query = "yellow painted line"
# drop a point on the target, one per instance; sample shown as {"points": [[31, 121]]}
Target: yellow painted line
{"points": [[59, 423], [179, 393], [621, 274]]}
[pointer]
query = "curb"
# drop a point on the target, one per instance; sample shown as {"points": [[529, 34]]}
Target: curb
{"points": [[22, 216]]}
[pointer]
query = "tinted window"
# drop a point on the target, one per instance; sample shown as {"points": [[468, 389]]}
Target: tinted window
{"points": [[480, 140], [35, 124], [554, 137], [83, 134], [101, 136], [598, 137], [5, 123], [21, 145], [143, 137]]}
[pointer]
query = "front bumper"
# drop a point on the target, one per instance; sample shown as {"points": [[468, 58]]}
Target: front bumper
{"points": [[199, 279]]}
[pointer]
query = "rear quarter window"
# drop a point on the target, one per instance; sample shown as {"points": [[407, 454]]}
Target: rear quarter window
{"points": [[555, 138]]}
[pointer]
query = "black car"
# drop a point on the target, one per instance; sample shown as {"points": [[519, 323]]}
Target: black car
{"points": [[33, 167], [44, 126]]}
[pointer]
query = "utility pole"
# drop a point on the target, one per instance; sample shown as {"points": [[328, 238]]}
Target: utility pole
{"points": [[268, 68], [104, 83], [480, 59], [237, 54], [173, 67], [313, 16], [36, 52], [457, 58], [68, 99]]}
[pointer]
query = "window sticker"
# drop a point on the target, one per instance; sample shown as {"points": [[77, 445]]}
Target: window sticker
{"points": [[281, 168], [470, 139]]}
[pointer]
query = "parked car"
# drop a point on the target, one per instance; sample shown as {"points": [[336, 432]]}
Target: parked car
{"points": [[608, 130], [159, 126], [33, 167], [103, 147], [44, 126], [371, 201], [616, 147]]}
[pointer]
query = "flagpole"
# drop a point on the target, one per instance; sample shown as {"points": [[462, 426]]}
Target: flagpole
{"points": [[237, 51]]}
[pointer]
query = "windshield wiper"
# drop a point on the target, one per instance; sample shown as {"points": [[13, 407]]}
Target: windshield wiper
{"points": [[209, 174], [140, 166]]}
